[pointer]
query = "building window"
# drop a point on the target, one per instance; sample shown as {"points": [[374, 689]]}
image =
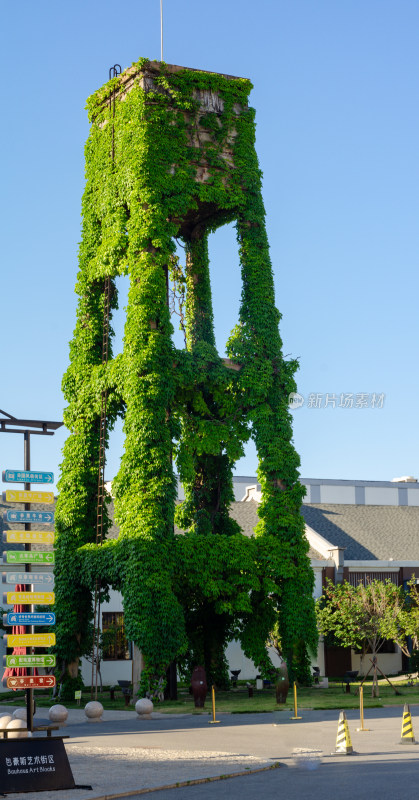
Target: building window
{"points": [[114, 644]]}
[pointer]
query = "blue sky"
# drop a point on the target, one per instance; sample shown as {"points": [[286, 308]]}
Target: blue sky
{"points": [[335, 90]]}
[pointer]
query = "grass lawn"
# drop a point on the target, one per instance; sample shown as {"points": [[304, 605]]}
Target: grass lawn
{"points": [[43, 699], [236, 701]]}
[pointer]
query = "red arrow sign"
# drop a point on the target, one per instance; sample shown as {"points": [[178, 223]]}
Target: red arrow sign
{"points": [[30, 682]]}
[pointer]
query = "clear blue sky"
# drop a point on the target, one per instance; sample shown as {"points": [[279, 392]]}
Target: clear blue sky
{"points": [[335, 89]]}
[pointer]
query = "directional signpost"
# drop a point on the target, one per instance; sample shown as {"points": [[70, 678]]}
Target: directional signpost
{"points": [[28, 598], [28, 577], [30, 682], [28, 618], [29, 537], [25, 496], [29, 639], [26, 476], [56, 774], [25, 557], [29, 661], [44, 517], [26, 580]]}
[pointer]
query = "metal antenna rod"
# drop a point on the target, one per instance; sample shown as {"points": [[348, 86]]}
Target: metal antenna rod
{"points": [[161, 30]]}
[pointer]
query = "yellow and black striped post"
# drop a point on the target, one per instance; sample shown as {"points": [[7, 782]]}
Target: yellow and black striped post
{"points": [[343, 738], [407, 727]]}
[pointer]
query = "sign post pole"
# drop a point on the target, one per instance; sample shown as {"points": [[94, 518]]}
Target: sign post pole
{"points": [[56, 774], [11, 424], [28, 568]]}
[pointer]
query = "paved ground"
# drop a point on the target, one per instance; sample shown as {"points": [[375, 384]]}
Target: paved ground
{"points": [[123, 754], [361, 780]]}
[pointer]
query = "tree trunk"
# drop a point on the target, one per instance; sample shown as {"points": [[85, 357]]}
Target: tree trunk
{"points": [[375, 692]]}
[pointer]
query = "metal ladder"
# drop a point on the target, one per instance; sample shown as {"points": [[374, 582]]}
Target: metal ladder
{"points": [[113, 72]]}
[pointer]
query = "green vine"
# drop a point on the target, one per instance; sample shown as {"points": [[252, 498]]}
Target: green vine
{"points": [[184, 164]]}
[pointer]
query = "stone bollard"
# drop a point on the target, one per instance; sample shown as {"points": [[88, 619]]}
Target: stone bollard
{"points": [[58, 713], [144, 708], [15, 725], [94, 711], [20, 713], [5, 719]]}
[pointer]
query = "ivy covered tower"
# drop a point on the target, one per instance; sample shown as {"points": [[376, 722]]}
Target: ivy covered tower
{"points": [[171, 156]]}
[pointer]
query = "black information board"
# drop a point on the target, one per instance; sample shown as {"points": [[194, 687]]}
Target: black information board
{"points": [[34, 765]]}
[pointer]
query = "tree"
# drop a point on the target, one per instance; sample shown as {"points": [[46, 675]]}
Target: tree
{"points": [[364, 617], [411, 618], [300, 659], [164, 168], [104, 642]]}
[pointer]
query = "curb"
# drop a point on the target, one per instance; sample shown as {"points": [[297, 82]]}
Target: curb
{"points": [[193, 782]]}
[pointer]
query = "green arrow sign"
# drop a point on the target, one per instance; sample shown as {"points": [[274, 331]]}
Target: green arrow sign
{"points": [[26, 557], [29, 661]]}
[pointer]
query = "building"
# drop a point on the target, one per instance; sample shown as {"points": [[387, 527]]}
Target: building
{"points": [[360, 531], [357, 530]]}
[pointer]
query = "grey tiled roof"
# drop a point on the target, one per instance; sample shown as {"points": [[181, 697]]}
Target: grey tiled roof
{"points": [[244, 513], [113, 531], [315, 556], [368, 532], [247, 516]]}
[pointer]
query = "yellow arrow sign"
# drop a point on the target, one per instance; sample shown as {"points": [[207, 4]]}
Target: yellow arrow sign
{"points": [[23, 496], [30, 640], [40, 537], [27, 598]]}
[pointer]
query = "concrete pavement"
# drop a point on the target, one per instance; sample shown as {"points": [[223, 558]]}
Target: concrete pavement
{"points": [[364, 779], [123, 754]]}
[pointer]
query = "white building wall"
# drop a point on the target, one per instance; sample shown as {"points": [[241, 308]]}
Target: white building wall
{"points": [[237, 660], [389, 663], [337, 494], [381, 496], [413, 497], [111, 671], [318, 587], [115, 602]]}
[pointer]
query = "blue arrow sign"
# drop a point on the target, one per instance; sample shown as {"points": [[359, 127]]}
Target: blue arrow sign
{"points": [[28, 619], [45, 517], [46, 578], [26, 476]]}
